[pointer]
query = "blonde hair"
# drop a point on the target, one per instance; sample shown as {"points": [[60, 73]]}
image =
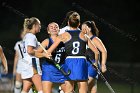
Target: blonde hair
{"points": [[28, 23]]}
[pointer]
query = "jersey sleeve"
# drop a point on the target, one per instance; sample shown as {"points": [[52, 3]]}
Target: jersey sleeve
{"points": [[64, 29], [31, 40], [16, 46]]}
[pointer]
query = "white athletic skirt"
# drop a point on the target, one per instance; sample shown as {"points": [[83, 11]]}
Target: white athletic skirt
{"points": [[19, 66], [27, 69]]}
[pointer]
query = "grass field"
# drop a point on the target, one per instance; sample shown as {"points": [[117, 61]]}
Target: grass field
{"points": [[118, 88], [5, 87]]}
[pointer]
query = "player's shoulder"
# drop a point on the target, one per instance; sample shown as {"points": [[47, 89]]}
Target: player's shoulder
{"points": [[30, 35], [0, 47], [63, 34], [96, 38], [18, 42], [65, 28], [46, 40]]}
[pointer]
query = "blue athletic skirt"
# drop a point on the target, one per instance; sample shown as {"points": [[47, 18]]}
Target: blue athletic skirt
{"points": [[92, 71], [51, 73], [78, 67]]}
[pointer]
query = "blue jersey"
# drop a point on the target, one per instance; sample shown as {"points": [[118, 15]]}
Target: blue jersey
{"points": [[75, 60], [49, 70], [89, 53], [75, 46], [58, 54]]}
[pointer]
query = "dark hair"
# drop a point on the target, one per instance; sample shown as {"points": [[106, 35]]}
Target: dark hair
{"points": [[64, 23], [74, 20], [94, 29]]}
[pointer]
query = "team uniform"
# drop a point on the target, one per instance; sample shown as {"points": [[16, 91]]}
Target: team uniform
{"points": [[64, 29], [90, 58], [19, 63], [29, 61], [89, 54], [49, 71], [76, 60]]}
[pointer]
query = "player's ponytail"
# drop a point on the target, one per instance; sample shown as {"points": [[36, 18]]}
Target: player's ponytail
{"points": [[74, 20], [29, 22], [94, 29]]}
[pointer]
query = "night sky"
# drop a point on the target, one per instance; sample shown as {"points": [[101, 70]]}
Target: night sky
{"points": [[117, 21]]}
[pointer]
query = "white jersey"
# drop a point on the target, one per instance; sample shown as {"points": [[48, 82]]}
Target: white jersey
{"points": [[19, 63], [64, 29], [29, 60], [29, 40], [16, 48]]}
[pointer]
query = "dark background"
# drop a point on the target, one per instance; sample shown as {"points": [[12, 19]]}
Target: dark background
{"points": [[122, 45], [117, 21]]}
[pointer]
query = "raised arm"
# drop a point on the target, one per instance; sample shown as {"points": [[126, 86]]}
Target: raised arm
{"points": [[55, 44], [4, 61], [39, 52], [94, 49]]}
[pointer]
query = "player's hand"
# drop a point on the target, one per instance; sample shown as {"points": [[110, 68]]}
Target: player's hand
{"points": [[47, 55], [5, 70], [103, 68], [95, 64], [85, 29]]}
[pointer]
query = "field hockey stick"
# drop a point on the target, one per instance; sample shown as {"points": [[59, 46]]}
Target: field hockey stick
{"points": [[91, 43], [102, 76], [99, 72], [55, 63]]}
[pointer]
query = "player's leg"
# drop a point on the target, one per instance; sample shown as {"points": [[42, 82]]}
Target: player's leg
{"points": [[92, 85], [62, 88], [83, 87], [69, 86], [27, 83], [18, 83], [47, 86], [36, 79]]}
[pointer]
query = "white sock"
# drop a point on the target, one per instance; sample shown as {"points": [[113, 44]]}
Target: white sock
{"points": [[61, 91], [30, 91], [23, 92], [17, 90], [40, 91]]}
